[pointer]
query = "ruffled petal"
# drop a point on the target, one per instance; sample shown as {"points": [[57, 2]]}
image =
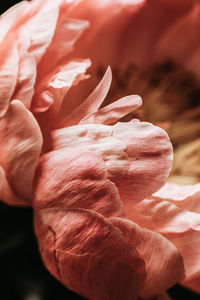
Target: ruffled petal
{"points": [[113, 112], [163, 262], [52, 89], [138, 155], [186, 196], [20, 142], [9, 59], [92, 103], [85, 252], [75, 179], [180, 226]]}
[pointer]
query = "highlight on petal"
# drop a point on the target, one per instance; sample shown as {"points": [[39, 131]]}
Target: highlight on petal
{"points": [[9, 58], [26, 76], [41, 26], [52, 89], [92, 103], [163, 271], [138, 155], [20, 142], [185, 196], [70, 178], [179, 226], [113, 112], [88, 254], [67, 32]]}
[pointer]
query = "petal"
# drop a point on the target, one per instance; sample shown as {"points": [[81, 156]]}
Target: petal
{"points": [[138, 155], [41, 26], [7, 195], [183, 38], [92, 103], [179, 226], [20, 142], [55, 85], [159, 254], [113, 112], [88, 252], [26, 74], [75, 179], [193, 284], [67, 32], [9, 59], [185, 196]]}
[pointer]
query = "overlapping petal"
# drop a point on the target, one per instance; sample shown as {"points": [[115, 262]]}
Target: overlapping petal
{"points": [[180, 226], [71, 178], [20, 142], [88, 254], [138, 155]]}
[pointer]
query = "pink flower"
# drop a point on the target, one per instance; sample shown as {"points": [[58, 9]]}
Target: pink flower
{"points": [[105, 226]]}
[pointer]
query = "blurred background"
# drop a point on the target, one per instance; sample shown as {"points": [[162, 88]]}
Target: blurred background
{"points": [[22, 274]]}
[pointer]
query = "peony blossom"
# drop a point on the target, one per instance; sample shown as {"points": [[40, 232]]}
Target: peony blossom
{"points": [[108, 226]]}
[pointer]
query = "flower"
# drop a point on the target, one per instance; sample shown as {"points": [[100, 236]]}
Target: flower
{"points": [[105, 226]]}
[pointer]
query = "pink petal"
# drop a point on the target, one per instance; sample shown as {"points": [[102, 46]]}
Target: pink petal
{"points": [[10, 17], [113, 112], [193, 284], [8, 71], [27, 73], [7, 195], [159, 254], [20, 142], [41, 26], [186, 196], [54, 87], [179, 226], [88, 254], [67, 32], [138, 155], [75, 179], [92, 103], [182, 39]]}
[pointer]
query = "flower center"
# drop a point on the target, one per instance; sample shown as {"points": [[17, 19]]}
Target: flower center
{"points": [[171, 99]]}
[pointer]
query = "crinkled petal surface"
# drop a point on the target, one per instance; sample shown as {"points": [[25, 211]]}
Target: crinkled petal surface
{"points": [[186, 196], [88, 254], [9, 59], [180, 226], [163, 262], [20, 142], [71, 178], [138, 155]]}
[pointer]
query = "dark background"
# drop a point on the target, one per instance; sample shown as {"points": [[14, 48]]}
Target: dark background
{"points": [[22, 274]]}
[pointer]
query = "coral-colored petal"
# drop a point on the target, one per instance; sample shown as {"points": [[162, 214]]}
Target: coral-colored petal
{"points": [[185, 196], [193, 284], [20, 142], [88, 252], [54, 87], [113, 112], [163, 262], [66, 34], [92, 103], [41, 26], [150, 155], [180, 226], [138, 155], [27, 72], [9, 58], [182, 39], [7, 195], [75, 179]]}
